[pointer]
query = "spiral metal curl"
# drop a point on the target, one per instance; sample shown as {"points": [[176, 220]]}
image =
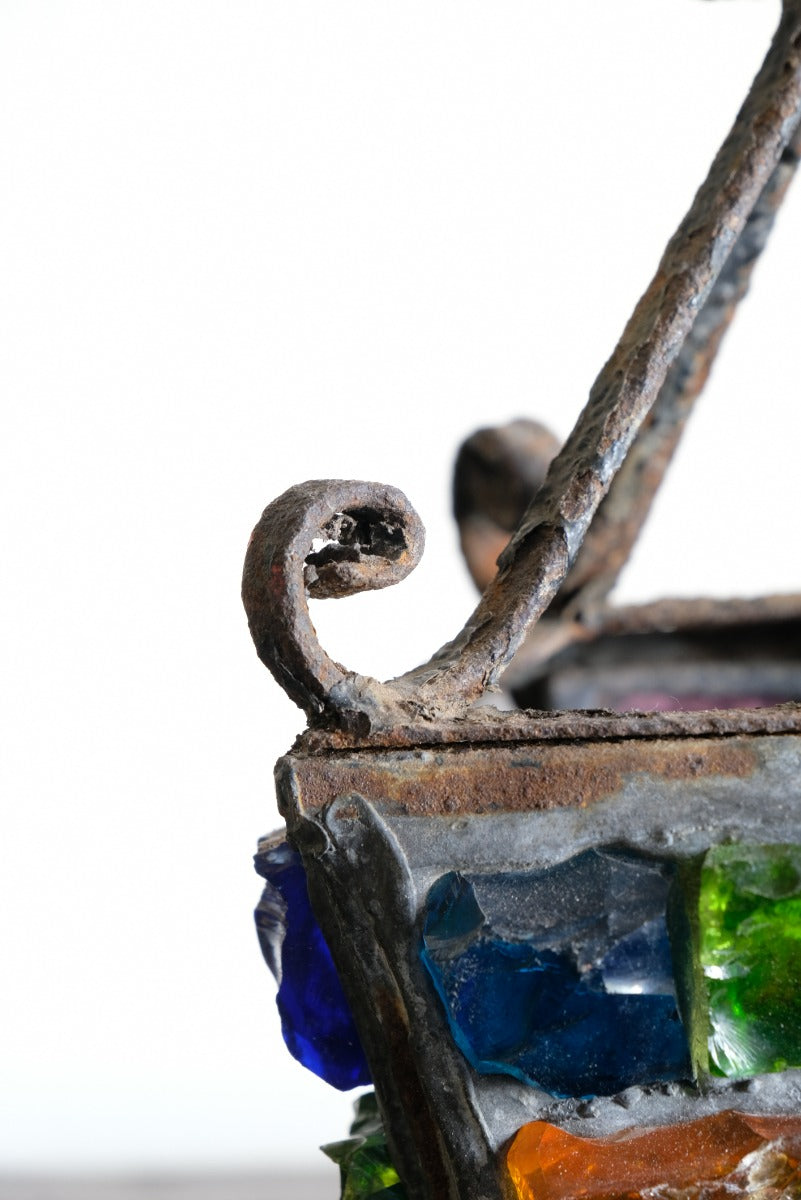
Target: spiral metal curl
{"points": [[324, 538]]}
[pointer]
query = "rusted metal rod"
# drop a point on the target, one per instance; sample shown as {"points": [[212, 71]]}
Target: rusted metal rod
{"points": [[625, 508], [537, 560]]}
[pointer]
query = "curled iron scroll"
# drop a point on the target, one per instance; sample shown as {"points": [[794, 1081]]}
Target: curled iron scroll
{"points": [[325, 538]]}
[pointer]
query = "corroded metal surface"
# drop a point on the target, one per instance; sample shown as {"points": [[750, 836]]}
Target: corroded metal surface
{"points": [[623, 511], [454, 781], [376, 829], [488, 726], [534, 565]]}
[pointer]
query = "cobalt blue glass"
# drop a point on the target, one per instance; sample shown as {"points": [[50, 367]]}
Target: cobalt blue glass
{"points": [[315, 1017]]}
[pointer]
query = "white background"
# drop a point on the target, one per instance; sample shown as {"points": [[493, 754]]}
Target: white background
{"points": [[246, 244]]}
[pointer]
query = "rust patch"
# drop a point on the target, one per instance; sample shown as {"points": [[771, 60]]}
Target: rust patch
{"points": [[519, 778]]}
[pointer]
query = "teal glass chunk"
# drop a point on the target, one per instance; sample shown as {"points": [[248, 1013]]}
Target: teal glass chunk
{"points": [[562, 977], [749, 938], [364, 1164]]}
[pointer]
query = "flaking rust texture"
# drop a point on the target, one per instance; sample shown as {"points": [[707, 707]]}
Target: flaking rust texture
{"points": [[518, 778], [489, 726]]}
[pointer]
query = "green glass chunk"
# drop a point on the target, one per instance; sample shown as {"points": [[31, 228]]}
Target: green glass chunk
{"points": [[749, 942], [364, 1163]]}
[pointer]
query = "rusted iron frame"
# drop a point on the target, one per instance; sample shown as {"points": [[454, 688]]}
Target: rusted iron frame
{"points": [[417, 1077], [468, 779], [380, 536], [444, 1122], [625, 508]]}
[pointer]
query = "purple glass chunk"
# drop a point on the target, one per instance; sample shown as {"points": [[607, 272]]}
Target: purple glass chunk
{"points": [[315, 1017]]}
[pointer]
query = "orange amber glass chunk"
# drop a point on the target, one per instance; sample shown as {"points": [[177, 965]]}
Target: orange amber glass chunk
{"points": [[728, 1154]]}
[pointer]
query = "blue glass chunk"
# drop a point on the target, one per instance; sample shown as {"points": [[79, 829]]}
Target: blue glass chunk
{"points": [[315, 1017], [561, 977]]}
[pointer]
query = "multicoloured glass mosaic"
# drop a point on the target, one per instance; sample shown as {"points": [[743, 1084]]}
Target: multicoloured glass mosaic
{"points": [[583, 979], [598, 973]]}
